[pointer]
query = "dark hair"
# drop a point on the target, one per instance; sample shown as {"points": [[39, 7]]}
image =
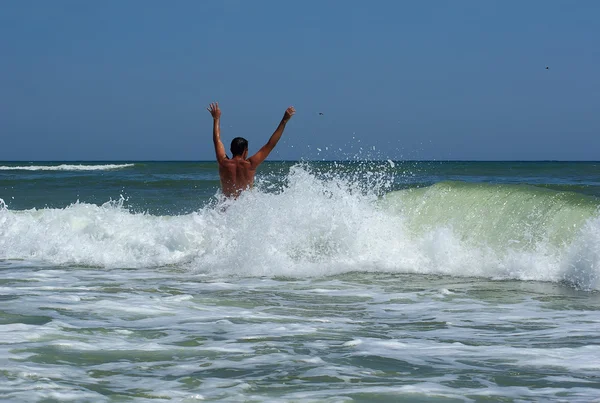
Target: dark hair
{"points": [[238, 146]]}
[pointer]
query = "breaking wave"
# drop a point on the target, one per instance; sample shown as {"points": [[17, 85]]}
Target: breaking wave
{"points": [[65, 167], [316, 225]]}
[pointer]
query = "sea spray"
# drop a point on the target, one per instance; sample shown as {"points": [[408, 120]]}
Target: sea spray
{"points": [[581, 261], [326, 222], [312, 226]]}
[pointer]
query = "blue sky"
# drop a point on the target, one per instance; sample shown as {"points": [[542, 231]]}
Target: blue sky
{"points": [[130, 80]]}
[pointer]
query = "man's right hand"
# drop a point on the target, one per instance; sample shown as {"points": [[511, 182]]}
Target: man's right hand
{"points": [[214, 110], [289, 112]]}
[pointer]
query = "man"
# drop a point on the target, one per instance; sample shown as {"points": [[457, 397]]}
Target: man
{"points": [[237, 173]]}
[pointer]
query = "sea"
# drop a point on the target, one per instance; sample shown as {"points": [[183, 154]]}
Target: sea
{"points": [[329, 281]]}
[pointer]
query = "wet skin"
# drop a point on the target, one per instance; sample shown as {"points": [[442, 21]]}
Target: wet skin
{"points": [[237, 173]]}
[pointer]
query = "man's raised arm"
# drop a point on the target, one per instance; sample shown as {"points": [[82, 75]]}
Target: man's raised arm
{"points": [[219, 147], [264, 152]]}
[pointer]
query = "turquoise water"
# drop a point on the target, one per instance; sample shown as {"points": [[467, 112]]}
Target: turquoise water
{"points": [[355, 281]]}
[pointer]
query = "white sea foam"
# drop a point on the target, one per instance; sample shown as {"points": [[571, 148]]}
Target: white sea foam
{"points": [[371, 336], [312, 227], [65, 167]]}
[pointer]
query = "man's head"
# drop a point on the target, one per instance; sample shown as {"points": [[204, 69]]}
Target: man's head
{"points": [[238, 146]]}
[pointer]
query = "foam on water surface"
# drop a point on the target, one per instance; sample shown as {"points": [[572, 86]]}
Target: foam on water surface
{"points": [[170, 334], [65, 167]]}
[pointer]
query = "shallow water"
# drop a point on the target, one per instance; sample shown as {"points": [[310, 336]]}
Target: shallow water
{"points": [[335, 283], [84, 334]]}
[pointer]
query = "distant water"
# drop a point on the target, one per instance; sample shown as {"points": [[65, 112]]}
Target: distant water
{"points": [[330, 281]]}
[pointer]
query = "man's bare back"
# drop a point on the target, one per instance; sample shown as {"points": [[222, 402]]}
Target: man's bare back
{"points": [[237, 173]]}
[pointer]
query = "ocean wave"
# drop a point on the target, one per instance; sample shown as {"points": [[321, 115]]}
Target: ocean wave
{"points": [[324, 225], [65, 167]]}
